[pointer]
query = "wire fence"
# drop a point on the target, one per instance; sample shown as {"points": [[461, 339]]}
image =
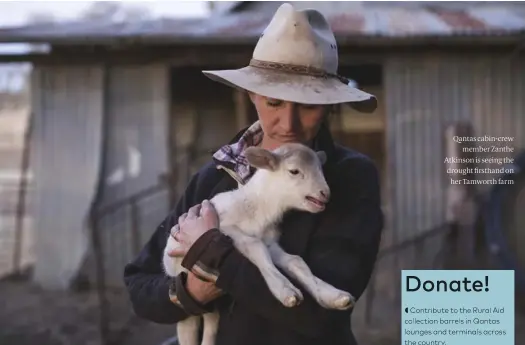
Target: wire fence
{"points": [[432, 249], [127, 221]]}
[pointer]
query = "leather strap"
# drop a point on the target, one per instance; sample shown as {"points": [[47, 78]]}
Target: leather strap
{"points": [[297, 69]]}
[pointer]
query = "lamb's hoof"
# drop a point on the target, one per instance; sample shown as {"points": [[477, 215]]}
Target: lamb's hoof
{"points": [[291, 301], [292, 296], [344, 302]]}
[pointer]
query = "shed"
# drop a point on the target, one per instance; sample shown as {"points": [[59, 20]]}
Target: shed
{"points": [[118, 106]]}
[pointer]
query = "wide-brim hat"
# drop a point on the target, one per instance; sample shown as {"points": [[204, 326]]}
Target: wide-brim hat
{"points": [[296, 59]]}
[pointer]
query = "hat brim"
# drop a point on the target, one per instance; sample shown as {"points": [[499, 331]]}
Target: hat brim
{"points": [[297, 88]]}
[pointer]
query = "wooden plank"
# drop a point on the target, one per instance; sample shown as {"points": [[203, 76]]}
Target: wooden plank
{"points": [[241, 102], [461, 204], [222, 54]]}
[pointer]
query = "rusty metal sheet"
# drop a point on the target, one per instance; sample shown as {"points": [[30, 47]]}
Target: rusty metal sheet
{"points": [[391, 20]]}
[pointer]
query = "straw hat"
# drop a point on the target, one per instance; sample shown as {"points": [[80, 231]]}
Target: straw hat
{"points": [[296, 60]]}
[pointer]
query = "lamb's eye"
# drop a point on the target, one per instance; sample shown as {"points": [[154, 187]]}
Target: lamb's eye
{"points": [[294, 171]]}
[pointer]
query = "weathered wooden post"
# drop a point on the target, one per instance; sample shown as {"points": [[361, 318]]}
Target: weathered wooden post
{"points": [[461, 195], [241, 103], [21, 204]]}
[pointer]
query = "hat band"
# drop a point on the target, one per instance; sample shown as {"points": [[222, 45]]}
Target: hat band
{"points": [[297, 69]]}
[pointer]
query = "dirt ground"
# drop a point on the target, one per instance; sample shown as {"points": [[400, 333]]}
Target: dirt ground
{"points": [[31, 316]]}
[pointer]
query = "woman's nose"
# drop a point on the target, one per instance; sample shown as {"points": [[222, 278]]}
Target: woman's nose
{"points": [[288, 118]]}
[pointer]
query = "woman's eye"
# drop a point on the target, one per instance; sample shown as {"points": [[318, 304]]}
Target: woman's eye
{"points": [[294, 171], [274, 103]]}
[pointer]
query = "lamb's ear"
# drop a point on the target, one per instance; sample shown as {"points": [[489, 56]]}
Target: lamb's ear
{"points": [[261, 158], [322, 156]]}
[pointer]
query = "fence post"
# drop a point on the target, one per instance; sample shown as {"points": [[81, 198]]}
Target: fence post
{"points": [[135, 224], [22, 190], [461, 198], [101, 283]]}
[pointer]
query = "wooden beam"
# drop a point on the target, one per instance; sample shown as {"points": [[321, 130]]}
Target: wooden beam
{"points": [[217, 54], [177, 56], [240, 99], [461, 203]]}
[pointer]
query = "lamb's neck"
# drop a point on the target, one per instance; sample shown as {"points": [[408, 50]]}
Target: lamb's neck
{"points": [[248, 208]]}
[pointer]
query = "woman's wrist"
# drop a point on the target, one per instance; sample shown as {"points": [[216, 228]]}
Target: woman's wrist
{"points": [[189, 301], [201, 291]]}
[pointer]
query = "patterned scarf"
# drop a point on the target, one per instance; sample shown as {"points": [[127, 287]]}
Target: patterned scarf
{"points": [[233, 153]]}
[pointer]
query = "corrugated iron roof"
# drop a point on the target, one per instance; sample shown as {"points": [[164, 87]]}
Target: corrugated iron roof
{"points": [[393, 22]]}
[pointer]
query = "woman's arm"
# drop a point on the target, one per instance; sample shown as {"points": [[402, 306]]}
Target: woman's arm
{"points": [[344, 258]]}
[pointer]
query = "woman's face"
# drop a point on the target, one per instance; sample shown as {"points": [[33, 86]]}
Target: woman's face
{"points": [[284, 122]]}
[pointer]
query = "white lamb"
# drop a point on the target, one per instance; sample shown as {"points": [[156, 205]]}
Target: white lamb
{"points": [[289, 177]]}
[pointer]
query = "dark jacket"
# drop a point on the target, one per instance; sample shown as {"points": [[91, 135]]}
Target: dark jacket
{"points": [[339, 245]]}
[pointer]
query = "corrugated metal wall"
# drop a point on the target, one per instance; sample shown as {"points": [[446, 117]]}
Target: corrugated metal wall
{"points": [[499, 103], [67, 105], [137, 153], [137, 111], [426, 93]]}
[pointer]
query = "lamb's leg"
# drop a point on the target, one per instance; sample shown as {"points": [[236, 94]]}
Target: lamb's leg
{"points": [[256, 251], [188, 330], [326, 295], [211, 326]]}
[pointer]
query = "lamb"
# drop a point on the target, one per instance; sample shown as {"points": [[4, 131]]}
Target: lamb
{"points": [[289, 177]]}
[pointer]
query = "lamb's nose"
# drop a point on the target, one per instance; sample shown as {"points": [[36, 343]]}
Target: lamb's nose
{"points": [[325, 194]]}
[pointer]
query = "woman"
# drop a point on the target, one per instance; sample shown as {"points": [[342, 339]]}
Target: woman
{"points": [[292, 81]]}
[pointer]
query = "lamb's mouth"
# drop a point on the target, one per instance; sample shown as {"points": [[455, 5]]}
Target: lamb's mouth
{"points": [[316, 202]]}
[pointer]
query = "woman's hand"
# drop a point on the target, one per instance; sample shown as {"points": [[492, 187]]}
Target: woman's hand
{"points": [[192, 225]]}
